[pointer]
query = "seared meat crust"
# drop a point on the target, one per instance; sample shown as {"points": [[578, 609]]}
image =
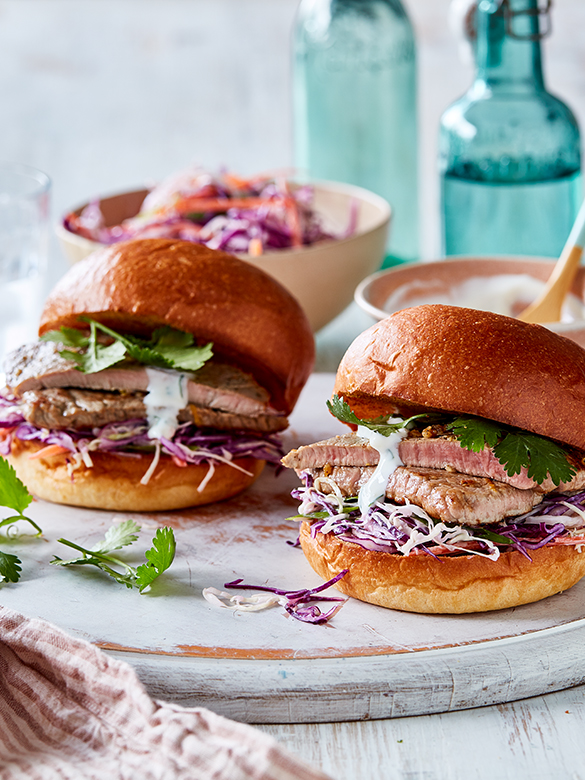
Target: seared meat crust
{"points": [[444, 495], [59, 408]]}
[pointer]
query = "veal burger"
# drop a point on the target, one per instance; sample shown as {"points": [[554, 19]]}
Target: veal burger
{"points": [[163, 374], [462, 488]]}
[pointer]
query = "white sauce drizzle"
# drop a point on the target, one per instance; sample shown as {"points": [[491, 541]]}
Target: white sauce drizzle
{"points": [[166, 396], [390, 460]]}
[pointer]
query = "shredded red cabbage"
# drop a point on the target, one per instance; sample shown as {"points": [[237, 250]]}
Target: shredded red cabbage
{"points": [[386, 527], [297, 602], [189, 444]]}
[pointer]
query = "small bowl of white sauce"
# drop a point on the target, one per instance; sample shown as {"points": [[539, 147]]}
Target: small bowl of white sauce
{"points": [[505, 285]]}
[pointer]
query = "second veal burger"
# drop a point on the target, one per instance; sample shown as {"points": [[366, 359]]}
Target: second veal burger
{"points": [[162, 376], [463, 487]]}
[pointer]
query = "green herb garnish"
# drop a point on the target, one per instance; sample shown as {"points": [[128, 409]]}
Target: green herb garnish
{"points": [[158, 558], [341, 409], [515, 449], [13, 495], [167, 348]]}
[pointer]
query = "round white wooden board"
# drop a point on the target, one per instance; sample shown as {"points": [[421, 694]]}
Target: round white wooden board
{"points": [[266, 667]]}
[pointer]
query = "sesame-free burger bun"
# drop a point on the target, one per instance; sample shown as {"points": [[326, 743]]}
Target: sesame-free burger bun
{"points": [[113, 482], [448, 584], [465, 361], [137, 286]]}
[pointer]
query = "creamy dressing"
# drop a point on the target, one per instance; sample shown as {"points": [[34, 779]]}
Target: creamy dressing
{"points": [[506, 294], [166, 396], [390, 460]]}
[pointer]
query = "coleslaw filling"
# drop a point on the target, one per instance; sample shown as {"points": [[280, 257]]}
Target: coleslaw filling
{"points": [[188, 445], [409, 530]]}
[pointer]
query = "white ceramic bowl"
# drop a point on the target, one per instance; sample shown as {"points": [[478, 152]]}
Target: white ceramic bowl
{"points": [[441, 277], [322, 277]]}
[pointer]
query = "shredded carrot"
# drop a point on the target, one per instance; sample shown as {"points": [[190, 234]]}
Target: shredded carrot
{"points": [[5, 432], [49, 451], [195, 205], [178, 462], [255, 247], [292, 209], [236, 182]]}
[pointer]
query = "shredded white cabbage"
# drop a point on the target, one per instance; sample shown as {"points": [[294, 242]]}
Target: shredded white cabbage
{"points": [[254, 603], [150, 471]]}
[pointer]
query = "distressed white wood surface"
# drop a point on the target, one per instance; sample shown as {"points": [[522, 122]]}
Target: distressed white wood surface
{"points": [[265, 667], [535, 739]]}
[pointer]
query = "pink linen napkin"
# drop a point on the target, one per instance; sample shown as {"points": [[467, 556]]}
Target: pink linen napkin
{"points": [[68, 710]]}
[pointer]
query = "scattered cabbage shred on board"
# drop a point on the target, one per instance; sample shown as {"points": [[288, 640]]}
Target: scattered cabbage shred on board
{"points": [[246, 216]]}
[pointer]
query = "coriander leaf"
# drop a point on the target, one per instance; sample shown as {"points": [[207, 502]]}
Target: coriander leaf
{"points": [[97, 357], [188, 358], [539, 456], [514, 449], [9, 567], [159, 557], [341, 409], [117, 536], [69, 337], [475, 433], [13, 493]]}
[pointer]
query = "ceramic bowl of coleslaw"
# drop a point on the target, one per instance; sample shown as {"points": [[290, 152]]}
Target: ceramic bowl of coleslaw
{"points": [[319, 239]]}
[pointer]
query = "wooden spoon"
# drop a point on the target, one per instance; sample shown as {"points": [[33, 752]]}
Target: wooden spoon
{"points": [[547, 307]]}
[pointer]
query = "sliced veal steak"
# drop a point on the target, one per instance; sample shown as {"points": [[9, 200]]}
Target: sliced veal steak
{"points": [[215, 386], [435, 453], [348, 449], [459, 498], [58, 407], [447, 496]]}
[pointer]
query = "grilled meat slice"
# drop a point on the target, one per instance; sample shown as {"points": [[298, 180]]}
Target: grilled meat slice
{"points": [[459, 498], [215, 385], [434, 453], [447, 496], [346, 450], [58, 408]]}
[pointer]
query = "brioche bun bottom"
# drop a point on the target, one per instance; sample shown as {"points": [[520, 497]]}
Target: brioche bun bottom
{"points": [[114, 480], [451, 585]]}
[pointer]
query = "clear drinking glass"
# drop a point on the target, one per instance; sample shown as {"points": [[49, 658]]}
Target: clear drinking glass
{"points": [[24, 213]]}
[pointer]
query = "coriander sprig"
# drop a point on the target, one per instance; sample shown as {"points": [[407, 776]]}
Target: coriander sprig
{"points": [[167, 348], [13, 495], [158, 558]]}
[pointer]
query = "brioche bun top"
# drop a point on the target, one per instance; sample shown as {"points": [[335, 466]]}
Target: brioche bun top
{"points": [[137, 286], [468, 362]]}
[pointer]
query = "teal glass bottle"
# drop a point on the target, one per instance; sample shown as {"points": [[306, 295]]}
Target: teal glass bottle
{"points": [[355, 113], [509, 151]]}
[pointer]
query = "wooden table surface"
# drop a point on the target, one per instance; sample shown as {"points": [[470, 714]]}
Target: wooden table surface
{"points": [[108, 94]]}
